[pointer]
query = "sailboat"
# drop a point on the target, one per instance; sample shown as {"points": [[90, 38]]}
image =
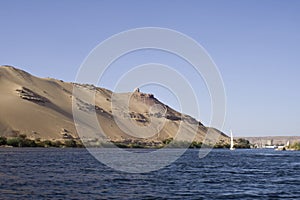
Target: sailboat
{"points": [[231, 141], [284, 147]]}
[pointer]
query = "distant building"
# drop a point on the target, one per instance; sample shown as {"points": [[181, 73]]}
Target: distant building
{"points": [[270, 142]]}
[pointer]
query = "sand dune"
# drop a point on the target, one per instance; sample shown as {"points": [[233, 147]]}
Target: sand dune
{"points": [[42, 108]]}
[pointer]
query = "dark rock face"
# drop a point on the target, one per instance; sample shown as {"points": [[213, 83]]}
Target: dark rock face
{"points": [[191, 120], [138, 117], [173, 117], [29, 95]]}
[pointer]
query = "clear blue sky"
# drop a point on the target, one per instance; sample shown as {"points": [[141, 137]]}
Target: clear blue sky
{"points": [[255, 44]]}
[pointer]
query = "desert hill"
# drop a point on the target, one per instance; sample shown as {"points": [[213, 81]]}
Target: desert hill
{"points": [[42, 108]]}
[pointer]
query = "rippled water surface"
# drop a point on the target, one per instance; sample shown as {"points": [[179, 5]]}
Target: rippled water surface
{"points": [[223, 174]]}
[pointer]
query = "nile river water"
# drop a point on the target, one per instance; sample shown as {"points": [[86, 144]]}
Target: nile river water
{"points": [[46, 173]]}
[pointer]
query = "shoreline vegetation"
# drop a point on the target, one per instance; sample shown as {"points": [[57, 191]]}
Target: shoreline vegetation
{"points": [[294, 147], [22, 141]]}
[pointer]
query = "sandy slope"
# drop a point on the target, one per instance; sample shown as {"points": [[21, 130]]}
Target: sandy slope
{"points": [[42, 108]]}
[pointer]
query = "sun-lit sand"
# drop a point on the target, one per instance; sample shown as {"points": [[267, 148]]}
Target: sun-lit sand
{"points": [[42, 108]]}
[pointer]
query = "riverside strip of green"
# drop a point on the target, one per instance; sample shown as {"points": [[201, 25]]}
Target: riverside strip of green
{"points": [[22, 141]]}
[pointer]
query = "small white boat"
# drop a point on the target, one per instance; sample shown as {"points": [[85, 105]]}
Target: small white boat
{"points": [[231, 141]]}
